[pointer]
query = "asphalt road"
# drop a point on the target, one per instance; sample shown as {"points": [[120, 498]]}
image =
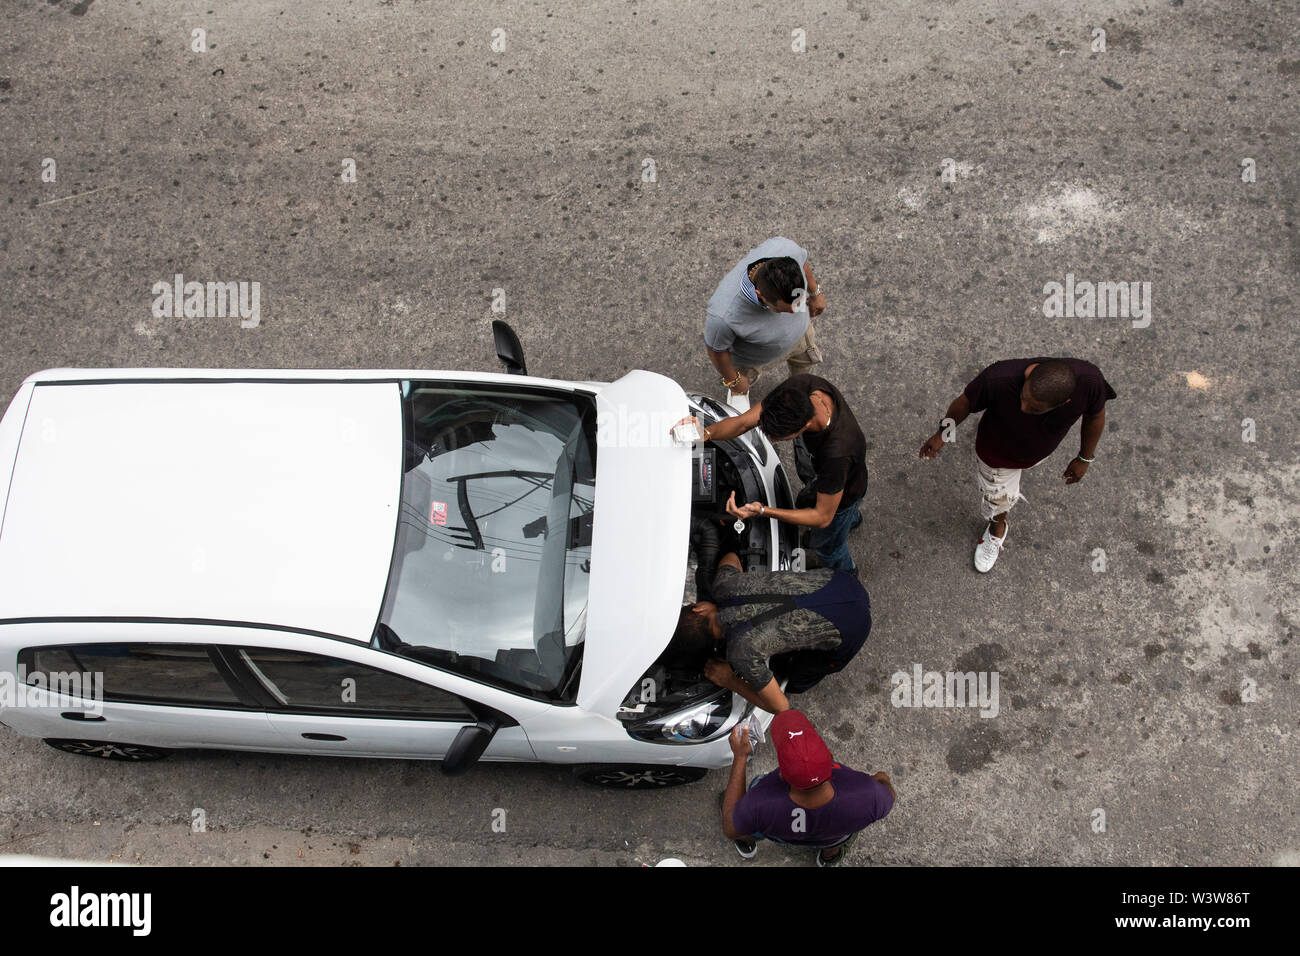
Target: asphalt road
{"points": [[524, 169]]}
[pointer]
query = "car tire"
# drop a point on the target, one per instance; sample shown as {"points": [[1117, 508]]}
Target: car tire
{"points": [[626, 776], [106, 750]]}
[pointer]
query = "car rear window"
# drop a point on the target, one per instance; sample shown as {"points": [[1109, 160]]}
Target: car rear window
{"points": [[145, 673]]}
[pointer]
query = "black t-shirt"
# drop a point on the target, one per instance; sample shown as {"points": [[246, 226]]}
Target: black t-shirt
{"points": [[1007, 437], [839, 452]]}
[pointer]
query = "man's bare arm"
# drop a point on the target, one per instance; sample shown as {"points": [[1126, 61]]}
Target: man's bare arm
{"points": [[816, 301], [958, 411], [819, 516], [736, 781], [770, 698], [735, 425], [1090, 433], [722, 362]]}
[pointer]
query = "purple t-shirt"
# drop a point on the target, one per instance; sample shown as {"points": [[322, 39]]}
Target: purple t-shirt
{"points": [[767, 810]]}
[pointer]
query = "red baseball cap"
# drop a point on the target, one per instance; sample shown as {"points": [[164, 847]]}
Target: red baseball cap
{"points": [[803, 757]]}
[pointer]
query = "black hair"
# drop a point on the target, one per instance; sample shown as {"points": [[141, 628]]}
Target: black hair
{"points": [[693, 643], [778, 279], [1052, 382], [786, 410]]}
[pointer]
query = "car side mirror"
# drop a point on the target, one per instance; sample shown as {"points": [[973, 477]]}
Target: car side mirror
{"points": [[509, 351], [468, 747]]}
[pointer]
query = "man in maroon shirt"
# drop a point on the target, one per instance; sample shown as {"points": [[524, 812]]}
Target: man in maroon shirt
{"points": [[809, 801], [1029, 406]]}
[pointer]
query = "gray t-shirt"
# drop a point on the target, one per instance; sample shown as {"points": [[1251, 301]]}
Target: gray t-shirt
{"points": [[799, 629], [752, 334]]}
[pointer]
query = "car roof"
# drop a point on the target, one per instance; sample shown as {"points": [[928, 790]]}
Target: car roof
{"points": [[187, 496]]}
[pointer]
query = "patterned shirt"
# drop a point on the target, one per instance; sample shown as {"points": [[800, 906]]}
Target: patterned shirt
{"points": [[759, 631]]}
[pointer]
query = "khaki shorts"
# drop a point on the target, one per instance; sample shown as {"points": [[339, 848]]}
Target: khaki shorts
{"points": [[999, 489], [799, 360]]}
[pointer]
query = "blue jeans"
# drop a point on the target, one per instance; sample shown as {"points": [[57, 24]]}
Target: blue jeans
{"points": [[831, 543]]}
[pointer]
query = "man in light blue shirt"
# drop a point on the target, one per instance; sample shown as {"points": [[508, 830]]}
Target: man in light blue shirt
{"points": [[760, 313]]}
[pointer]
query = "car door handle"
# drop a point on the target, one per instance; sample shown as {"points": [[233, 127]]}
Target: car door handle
{"points": [[323, 737], [79, 715]]}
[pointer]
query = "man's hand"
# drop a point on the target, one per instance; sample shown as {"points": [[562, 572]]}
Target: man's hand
{"points": [[742, 385], [689, 420], [720, 672], [749, 510], [933, 446], [740, 746], [816, 305], [1074, 471]]}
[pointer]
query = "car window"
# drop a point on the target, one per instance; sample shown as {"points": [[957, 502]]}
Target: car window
{"points": [[142, 673], [312, 683]]}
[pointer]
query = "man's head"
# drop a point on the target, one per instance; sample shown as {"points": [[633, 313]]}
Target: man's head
{"points": [[697, 639], [775, 281], [801, 754], [786, 413], [1048, 385]]}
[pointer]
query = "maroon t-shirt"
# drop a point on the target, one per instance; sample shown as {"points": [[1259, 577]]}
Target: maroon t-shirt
{"points": [[767, 810], [1007, 437]]}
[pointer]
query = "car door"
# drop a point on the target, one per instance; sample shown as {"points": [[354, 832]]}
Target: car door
{"points": [[145, 692], [323, 704]]}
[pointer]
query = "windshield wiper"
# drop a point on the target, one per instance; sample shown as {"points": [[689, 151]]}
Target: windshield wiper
{"points": [[539, 478], [467, 514]]}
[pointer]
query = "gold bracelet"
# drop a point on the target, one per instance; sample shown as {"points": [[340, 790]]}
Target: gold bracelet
{"points": [[734, 382]]}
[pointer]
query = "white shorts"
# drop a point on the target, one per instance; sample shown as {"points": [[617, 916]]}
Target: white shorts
{"points": [[999, 489]]}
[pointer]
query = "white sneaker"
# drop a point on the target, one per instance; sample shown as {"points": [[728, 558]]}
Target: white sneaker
{"points": [[987, 551]]}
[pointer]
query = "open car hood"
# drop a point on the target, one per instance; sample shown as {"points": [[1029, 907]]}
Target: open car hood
{"points": [[640, 536]]}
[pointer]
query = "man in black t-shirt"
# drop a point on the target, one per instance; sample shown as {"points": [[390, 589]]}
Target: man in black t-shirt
{"points": [[1029, 406], [811, 408]]}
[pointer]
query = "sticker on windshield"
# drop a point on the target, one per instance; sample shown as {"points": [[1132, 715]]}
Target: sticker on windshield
{"points": [[438, 513]]}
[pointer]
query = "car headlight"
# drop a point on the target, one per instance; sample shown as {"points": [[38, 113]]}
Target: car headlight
{"points": [[703, 721]]}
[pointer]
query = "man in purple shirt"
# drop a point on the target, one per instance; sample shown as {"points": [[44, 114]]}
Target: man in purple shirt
{"points": [[809, 801]]}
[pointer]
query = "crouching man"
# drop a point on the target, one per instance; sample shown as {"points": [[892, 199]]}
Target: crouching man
{"points": [[809, 801], [806, 624]]}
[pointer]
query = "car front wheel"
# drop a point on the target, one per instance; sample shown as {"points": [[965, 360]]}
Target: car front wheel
{"points": [[109, 751], [637, 776]]}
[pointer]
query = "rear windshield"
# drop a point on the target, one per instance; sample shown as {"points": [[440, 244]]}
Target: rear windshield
{"points": [[493, 553]]}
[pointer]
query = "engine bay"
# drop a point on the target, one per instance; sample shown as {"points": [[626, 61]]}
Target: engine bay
{"points": [[717, 471]]}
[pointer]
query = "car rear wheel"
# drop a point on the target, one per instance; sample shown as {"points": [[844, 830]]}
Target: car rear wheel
{"points": [[637, 776], [109, 751]]}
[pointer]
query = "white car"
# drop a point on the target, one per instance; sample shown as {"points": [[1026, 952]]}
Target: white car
{"points": [[411, 564]]}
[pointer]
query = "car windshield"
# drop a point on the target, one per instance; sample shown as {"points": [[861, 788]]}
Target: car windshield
{"points": [[493, 549]]}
